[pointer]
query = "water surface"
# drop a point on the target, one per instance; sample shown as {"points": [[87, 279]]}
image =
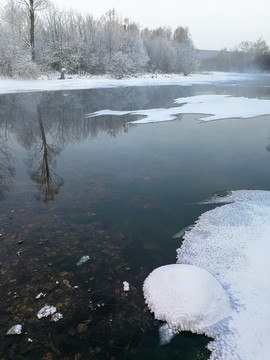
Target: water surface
{"points": [[117, 192]]}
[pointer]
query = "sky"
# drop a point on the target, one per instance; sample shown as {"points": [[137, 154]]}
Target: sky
{"points": [[213, 24]]}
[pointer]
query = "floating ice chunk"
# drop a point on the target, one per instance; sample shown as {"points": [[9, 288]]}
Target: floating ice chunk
{"points": [[186, 297], [15, 330], [83, 260], [40, 295], [166, 334], [56, 317], [46, 311], [126, 286]]}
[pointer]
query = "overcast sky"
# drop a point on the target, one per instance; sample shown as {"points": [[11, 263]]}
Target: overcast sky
{"points": [[213, 24]]}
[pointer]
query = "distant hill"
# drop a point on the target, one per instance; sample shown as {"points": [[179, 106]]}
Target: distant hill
{"points": [[207, 54]]}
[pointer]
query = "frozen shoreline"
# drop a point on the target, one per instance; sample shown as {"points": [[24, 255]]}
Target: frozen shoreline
{"points": [[51, 83]]}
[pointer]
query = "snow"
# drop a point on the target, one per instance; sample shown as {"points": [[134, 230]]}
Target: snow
{"points": [[219, 106], [231, 242], [51, 83], [125, 286], [186, 297], [83, 260], [46, 311], [215, 106], [15, 330]]}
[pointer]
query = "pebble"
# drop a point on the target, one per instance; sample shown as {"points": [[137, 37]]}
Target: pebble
{"points": [[82, 328]]}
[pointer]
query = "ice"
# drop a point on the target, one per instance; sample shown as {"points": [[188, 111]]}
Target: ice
{"points": [[126, 286], [166, 334], [40, 296], [46, 311], [231, 242], [224, 106], [219, 106], [56, 317], [15, 330], [186, 297], [83, 260]]}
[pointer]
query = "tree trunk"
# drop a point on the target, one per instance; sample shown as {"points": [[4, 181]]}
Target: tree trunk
{"points": [[32, 29]]}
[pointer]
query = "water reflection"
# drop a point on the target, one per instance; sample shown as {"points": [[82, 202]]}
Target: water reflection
{"points": [[41, 161], [45, 123], [7, 170]]}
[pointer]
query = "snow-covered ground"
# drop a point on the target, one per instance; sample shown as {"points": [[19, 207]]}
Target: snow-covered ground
{"points": [[51, 83]]}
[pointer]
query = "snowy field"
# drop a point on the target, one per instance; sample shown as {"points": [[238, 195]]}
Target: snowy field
{"points": [[51, 82]]}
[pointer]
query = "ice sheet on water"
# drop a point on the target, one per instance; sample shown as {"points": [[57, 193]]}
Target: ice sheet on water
{"points": [[218, 106], [232, 242]]}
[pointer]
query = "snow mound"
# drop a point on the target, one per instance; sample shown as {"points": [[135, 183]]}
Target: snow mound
{"points": [[186, 297]]}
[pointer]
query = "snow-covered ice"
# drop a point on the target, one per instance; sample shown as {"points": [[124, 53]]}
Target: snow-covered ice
{"points": [[217, 106], [232, 242]]}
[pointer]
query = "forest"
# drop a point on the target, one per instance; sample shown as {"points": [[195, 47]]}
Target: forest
{"points": [[37, 37]]}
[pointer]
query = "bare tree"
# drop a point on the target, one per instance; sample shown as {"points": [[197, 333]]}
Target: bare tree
{"points": [[32, 7]]}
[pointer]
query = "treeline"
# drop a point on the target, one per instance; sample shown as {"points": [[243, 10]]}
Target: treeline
{"points": [[246, 57], [36, 36]]}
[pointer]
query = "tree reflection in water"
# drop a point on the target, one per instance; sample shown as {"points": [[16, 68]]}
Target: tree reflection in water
{"points": [[7, 171], [41, 161]]}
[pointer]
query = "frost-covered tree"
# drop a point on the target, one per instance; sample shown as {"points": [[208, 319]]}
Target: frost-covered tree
{"points": [[170, 52], [247, 56], [58, 39], [124, 51], [159, 49], [185, 55], [15, 59]]}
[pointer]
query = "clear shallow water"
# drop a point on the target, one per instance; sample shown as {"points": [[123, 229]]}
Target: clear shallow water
{"points": [[72, 186]]}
